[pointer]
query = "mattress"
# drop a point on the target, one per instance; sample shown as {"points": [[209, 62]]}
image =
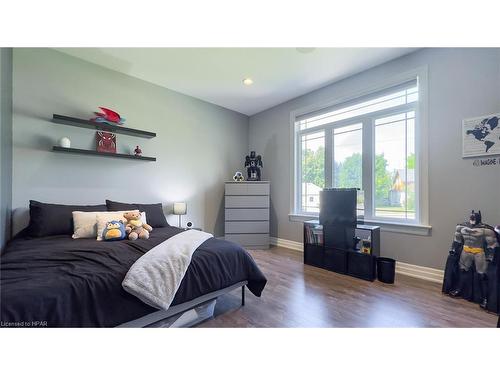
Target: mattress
{"points": [[60, 282]]}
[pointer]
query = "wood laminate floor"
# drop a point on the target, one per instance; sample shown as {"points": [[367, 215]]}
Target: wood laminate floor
{"points": [[297, 295]]}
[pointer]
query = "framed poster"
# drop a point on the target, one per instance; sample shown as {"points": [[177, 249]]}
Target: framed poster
{"points": [[105, 142], [481, 136]]}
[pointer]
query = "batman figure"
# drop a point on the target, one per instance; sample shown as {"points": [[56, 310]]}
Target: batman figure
{"points": [[478, 242]]}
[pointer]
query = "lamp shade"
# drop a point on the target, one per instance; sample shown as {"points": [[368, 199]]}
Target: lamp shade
{"points": [[180, 208]]}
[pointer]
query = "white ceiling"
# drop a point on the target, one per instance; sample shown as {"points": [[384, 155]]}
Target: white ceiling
{"points": [[215, 74]]}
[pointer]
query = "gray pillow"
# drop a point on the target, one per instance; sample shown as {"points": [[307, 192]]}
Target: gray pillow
{"points": [[154, 211], [48, 219]]}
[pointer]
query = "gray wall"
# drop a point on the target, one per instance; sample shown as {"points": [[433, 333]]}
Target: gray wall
{"points": [[462, 83], [198, 145], [5, 143]]}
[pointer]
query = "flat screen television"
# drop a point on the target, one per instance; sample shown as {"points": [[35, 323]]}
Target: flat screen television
{"points": [[338, 216], [338, 206]]}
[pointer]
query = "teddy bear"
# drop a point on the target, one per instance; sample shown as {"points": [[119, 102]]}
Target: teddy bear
{"points": [[135, 228]]}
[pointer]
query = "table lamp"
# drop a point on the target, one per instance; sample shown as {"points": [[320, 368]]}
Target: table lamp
{"points": [[180, 208]]}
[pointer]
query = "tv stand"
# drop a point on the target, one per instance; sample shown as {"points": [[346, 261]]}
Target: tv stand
{"points": [[349, 262]]}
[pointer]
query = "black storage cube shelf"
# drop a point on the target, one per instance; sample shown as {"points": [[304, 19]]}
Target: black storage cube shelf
{"points": [[350, 262], [355, 264]]}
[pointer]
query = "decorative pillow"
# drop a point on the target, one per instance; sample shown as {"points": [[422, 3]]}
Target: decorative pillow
{"points": [[104, 217], [47, 219], [114, 231], [84, 224], [153, 211]]}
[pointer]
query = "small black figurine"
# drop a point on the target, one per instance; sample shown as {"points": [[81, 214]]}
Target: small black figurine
{"points": [[253, 164], [137, 151]]}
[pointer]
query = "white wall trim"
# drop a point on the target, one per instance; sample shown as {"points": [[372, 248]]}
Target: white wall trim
{"points": [[385, 226], [281, 242], [422, 138], [419, 272]]}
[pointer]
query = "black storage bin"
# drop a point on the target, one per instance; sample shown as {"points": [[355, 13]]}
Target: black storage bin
{"points": [[336, 260], [361, 265], [314, 255], [386, 270]]}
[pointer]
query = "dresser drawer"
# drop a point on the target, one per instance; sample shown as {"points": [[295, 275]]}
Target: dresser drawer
{"points": [[249, 240], [247, 214], [251, 201], [243, 188], [247, 227]]}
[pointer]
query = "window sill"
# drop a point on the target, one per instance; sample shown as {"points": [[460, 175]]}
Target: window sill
{"points": [[385, 226]]}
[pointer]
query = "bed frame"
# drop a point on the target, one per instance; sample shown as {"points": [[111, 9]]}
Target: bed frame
{"points": [[186, 314]]}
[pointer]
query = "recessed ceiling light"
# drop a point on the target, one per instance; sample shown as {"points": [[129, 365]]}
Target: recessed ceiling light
{"points": [[248, 81]]}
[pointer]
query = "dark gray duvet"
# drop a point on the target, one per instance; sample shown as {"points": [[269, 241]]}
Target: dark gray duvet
{"points": [[60, 282]]}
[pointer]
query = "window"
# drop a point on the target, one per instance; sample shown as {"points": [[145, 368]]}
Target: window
{"points": [[395, 166], [348, 159], [369, 144], [312, 168]]}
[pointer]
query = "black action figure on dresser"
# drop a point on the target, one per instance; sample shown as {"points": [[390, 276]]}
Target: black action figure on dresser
{"points": [[253, 164]]}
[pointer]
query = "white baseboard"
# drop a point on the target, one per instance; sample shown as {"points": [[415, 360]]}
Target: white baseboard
{"points": [[419, 272], [425, 273], [293, 245]]}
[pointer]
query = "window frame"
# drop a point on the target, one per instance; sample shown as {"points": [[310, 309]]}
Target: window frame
{"points": [[419, 225], [298, 164]]}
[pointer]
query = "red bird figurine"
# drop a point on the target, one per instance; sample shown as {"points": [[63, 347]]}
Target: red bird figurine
{"points": [[108, 116]]}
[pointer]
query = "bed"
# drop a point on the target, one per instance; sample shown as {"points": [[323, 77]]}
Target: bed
{"points": [[56, 281]]}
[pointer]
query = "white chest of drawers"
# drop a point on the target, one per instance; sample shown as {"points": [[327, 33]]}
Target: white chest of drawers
{"points": [[247, 213]]}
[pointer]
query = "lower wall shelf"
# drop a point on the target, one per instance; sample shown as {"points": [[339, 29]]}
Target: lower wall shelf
{"points": [[105, 154]]}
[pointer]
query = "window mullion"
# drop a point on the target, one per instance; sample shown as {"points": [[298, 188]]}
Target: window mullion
{"points": [[329, 177], [406, 166], [298, 179], [368, 166]]}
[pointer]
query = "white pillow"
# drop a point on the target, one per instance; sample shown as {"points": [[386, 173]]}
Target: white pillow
{"points": [[84, 224], [104, 217]]}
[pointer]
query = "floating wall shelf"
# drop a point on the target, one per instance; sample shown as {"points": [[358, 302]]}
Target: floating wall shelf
{"points": [[105, 154], [118, 129]]}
